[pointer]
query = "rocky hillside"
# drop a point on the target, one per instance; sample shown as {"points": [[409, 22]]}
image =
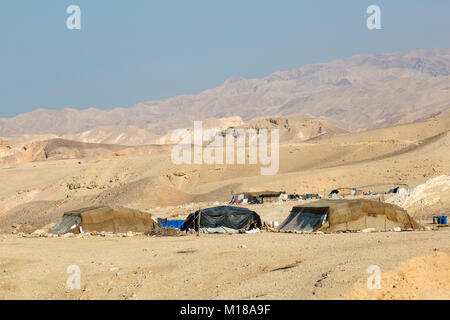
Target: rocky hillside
{"points": [[56, 149]]}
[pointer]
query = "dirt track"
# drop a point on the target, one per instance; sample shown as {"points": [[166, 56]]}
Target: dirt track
{"points": [[267, 266]]}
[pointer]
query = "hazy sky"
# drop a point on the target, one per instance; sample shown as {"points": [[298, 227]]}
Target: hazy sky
{"points": [[132, 51]]}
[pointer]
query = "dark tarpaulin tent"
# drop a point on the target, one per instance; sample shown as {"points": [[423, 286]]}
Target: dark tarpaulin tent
{"points": [[222, 219], [340, 215]]}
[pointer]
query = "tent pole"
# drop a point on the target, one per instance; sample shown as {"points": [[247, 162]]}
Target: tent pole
{"points": [[198, 223]]}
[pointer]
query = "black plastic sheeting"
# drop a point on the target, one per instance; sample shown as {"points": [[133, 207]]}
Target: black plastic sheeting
{"points": [[223, 216], [307, 220]]}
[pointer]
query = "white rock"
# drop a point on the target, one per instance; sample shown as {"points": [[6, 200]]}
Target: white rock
{"points": [[39, 232], [397, 229], [368, 230], [68, 235]]}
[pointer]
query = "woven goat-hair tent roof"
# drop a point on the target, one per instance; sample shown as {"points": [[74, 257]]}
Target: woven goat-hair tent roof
{"points": [[338, 215], [105, 218]]}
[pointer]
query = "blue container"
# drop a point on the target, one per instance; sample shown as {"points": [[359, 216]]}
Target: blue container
{"points": [[443, 220], [165, 223], [175, 224]]}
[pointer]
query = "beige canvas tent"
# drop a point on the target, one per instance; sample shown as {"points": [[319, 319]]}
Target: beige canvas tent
{"points": [[340, 215], [104, 218]]}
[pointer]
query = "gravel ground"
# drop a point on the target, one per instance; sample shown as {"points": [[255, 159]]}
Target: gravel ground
{"points": [[265, 265]]}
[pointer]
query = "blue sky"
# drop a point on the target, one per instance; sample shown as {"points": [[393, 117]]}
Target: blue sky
{"points": [[132, 51]]}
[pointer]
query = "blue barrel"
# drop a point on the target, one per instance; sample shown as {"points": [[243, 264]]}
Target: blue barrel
{"points": [[443, 220]]}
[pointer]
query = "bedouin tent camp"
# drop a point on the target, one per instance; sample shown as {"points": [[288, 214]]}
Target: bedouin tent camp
{"points": [[222, 219], [104, 218], [341, 215]]}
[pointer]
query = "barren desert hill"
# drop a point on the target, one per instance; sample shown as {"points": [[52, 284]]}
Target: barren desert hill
{"points": [[344, 161], [56, 149], [19, 141], [291, 129], [357, 93], [63, 149], [407, 132], [121, 135]]}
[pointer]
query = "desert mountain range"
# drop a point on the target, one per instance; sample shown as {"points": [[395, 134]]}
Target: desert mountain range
{"points": [[357, 93]]}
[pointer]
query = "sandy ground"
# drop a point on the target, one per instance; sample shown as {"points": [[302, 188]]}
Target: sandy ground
{"points": [[266, 265], [425, 277]]}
